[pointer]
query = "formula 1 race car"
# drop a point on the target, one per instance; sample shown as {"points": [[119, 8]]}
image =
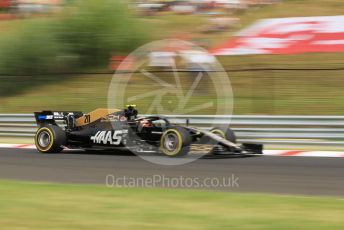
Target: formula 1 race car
{"points": [[111, 129]]}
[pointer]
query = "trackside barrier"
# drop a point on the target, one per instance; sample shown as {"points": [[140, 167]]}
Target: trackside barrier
{"points": [[305, 130]]}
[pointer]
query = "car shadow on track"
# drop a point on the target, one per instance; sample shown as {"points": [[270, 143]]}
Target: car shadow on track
{"points": [[229, 156], [128, 153]]}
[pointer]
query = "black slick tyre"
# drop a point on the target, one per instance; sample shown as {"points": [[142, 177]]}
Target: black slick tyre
{"points": [[175, 142], [50, 139], [228, 134]]}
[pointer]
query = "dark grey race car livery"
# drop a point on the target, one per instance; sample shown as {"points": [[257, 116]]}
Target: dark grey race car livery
{"points": [[111, 129]]}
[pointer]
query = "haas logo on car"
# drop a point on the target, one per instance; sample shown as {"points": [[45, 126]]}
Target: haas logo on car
{"points": [[108, 137]]}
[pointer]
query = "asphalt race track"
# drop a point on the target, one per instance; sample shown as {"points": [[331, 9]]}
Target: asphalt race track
{"points": [[285, 175]]}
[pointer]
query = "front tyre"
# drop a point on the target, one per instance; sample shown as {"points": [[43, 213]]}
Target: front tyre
{"points": [[175, 142], [228, 134], [50, 139]]}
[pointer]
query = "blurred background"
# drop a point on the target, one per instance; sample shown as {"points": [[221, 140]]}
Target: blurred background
{"points": [[282, 57], [61, 54]]}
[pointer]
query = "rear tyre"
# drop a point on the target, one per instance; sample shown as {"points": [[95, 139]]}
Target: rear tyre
{"points": [[175, 142], [227, 134], [50, 139]]}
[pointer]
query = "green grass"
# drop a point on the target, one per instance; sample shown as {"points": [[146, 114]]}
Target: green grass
{"points": [[53, 206], [255, 92], [265, 92], [17, 140]]}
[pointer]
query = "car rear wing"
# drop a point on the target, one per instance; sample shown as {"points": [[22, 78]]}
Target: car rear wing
{"points": [[50, 117]]}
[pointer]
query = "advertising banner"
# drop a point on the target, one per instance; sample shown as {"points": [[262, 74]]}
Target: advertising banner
{"points": [[287, 36]]}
